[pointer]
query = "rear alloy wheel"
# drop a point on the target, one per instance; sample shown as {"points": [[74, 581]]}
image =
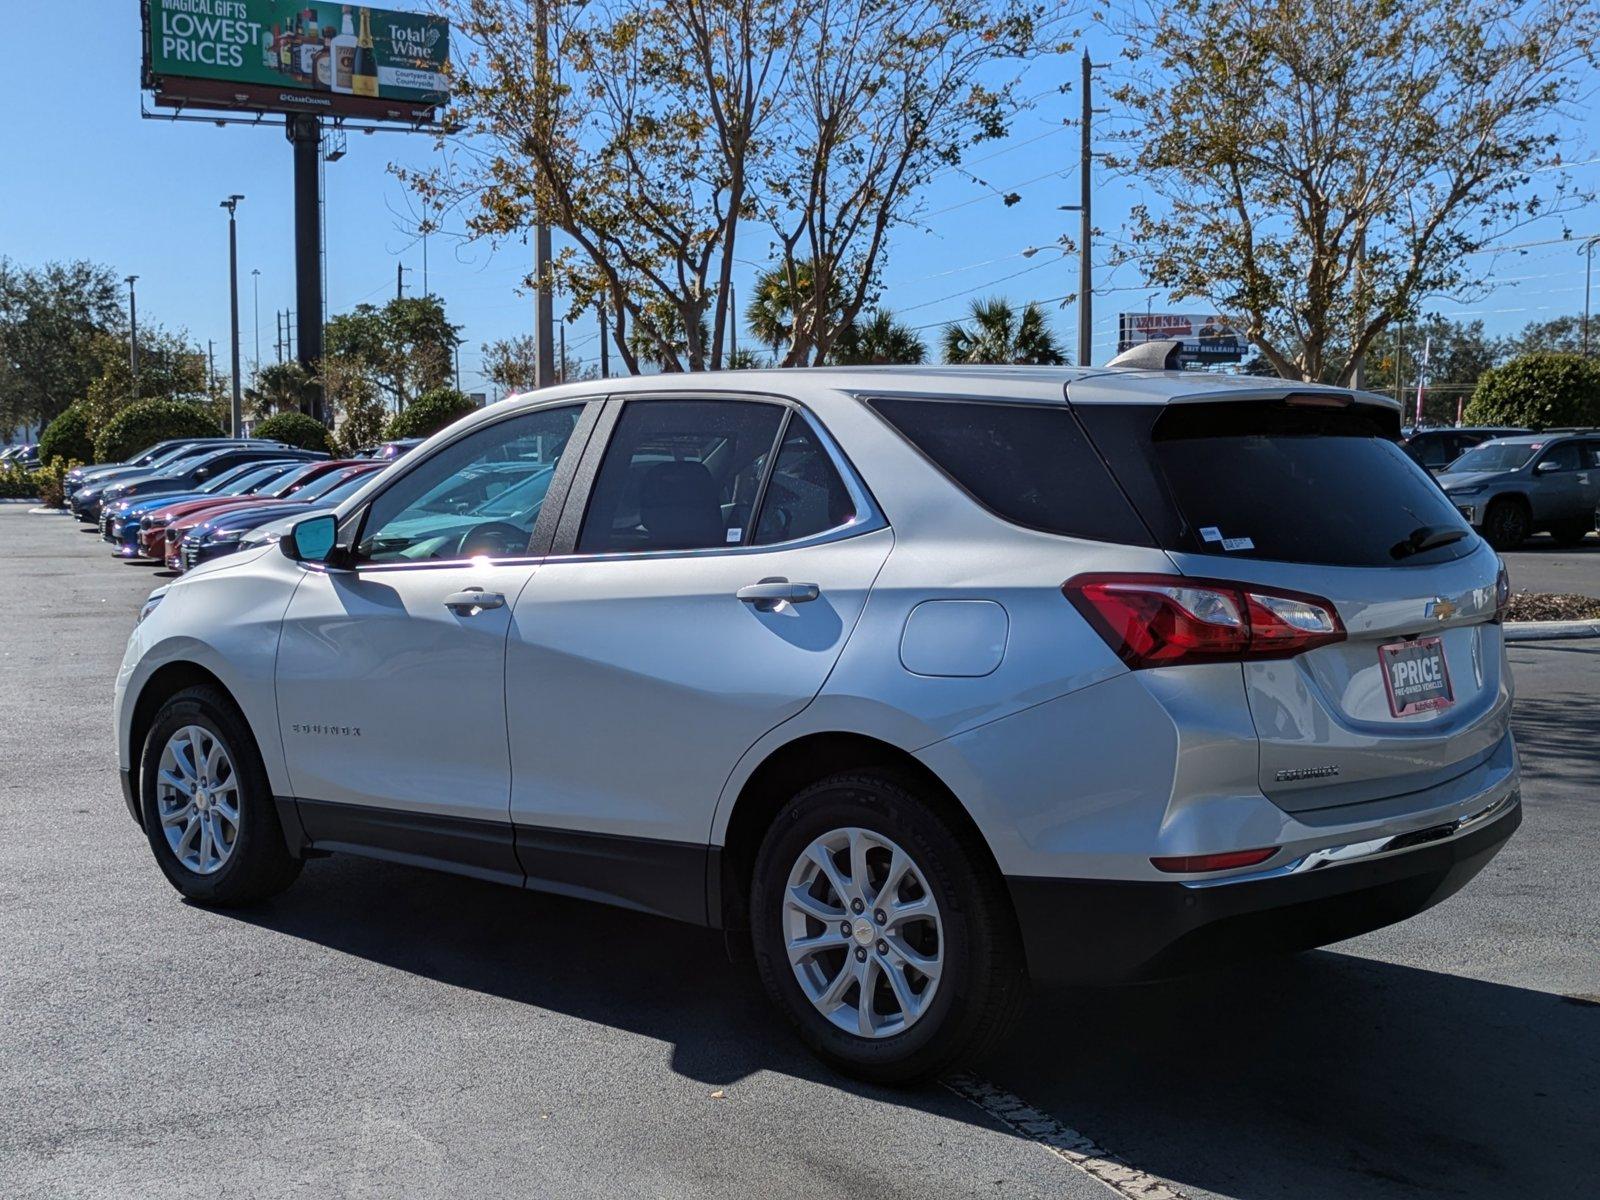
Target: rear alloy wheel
{"points": [[1506, 525], [883, 931]]}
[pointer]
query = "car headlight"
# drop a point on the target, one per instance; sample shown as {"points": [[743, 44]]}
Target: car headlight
{"points": [[218, 537], [1463, 491], [149, 605]]}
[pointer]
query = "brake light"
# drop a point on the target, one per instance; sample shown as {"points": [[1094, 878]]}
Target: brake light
{"points": [[1167, 620], [1502, 593], [1190, 863]]}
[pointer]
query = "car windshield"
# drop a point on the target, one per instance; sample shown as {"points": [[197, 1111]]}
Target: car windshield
{"points": [[251, 479], [322, 488], [1495, 456], [345, 490], [290, 480]]}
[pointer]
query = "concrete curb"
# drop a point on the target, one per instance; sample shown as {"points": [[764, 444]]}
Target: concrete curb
{"points": [[1550, 631], [46, 511]]}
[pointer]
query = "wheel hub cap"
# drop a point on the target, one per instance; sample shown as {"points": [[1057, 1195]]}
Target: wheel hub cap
{"points": [[864, 933], [197, 799]]}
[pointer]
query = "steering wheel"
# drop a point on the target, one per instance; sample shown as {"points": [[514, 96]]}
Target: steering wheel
{"points": [[494, 538]]}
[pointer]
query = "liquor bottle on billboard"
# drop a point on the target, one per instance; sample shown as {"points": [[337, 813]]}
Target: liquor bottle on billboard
{"points": [[285, 41], [324, 61], [269, 48], [344, 56], [364, 76], [310, 40]]}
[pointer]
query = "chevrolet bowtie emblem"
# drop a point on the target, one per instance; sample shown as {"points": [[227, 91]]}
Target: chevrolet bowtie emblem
{"points": [[1440, 609]]}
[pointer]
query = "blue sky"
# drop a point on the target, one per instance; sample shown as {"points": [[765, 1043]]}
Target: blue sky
{"points": [[86, 177]]}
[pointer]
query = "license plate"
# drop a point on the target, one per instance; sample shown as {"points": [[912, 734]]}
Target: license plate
{"points": [[1415, 676]]}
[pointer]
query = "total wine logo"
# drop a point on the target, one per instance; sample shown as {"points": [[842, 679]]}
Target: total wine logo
{"points": [[407, 41]]}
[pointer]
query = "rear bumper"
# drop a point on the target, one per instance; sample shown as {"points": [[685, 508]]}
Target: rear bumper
{"points": [[1109, 931]]}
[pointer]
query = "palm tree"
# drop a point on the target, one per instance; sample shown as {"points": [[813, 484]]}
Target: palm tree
{"points": [[281, 387], [999, 335], [657, 336], [882, 340], [770, 314]]}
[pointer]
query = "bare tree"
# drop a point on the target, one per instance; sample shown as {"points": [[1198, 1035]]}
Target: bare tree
{"points": [[1320, 169], [653, 133]]}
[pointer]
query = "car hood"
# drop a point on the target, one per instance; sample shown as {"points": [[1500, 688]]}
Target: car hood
{"points": [[1468, 479]]}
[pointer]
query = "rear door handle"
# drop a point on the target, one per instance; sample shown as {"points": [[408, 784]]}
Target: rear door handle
{"points": [[473, 600], [770, 593]]}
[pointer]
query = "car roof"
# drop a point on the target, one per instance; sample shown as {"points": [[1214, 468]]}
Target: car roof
{"points": [[1536, 439], [1027, 384]]}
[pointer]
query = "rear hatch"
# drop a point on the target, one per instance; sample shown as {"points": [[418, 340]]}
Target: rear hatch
{"points": [[1309, 493]]}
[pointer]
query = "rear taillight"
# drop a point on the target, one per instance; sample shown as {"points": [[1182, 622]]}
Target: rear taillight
{"points": [[1231, 860], [1165, 620], [1502, 593]]}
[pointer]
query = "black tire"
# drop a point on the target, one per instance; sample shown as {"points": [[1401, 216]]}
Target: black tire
{"points": [[260, 865], [1570, 533], [1506, 525], [983, 980]]}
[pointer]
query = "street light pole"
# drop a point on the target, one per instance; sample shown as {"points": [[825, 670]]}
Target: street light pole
{"points": [[1085, 224], [255, 284], [133, 335], [231, 204]]}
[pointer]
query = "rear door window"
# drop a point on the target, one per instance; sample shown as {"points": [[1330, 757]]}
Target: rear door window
{"points": [[1028, 463], [1272, 480], [805, 495]]}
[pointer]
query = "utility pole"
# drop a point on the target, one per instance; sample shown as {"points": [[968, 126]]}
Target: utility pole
{"points": [[563, 367], [605, 338], [544, 310], [211, 365], [1085, 223], [1399, 365], [255, 285], [231, 204], [1588, 250], [733, 323], [425, 289], [400, 281], [1358, 373], [133, 334]]}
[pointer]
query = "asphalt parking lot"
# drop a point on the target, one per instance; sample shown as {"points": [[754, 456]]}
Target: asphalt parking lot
{"points": [[384, 1031], [1542, 566]]}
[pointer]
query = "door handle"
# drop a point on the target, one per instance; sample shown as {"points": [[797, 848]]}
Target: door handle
{"points": [[473, 600], [770, 593]]}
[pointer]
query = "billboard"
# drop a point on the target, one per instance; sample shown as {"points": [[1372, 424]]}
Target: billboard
{"points": [[1206, 338], [310, 56]]}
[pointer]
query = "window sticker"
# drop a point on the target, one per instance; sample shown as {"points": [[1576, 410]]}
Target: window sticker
{"points": [[1210, 533], [735, 535], [1238, 544]]}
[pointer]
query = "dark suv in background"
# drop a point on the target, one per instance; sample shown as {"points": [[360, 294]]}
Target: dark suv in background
{"points": [[1512, 487]]}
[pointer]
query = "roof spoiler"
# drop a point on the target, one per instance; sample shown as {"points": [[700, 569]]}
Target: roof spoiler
{"points": [[1160, 354]]}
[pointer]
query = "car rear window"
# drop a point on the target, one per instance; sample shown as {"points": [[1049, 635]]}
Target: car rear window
{"points": [[1028, 463], [1272, 480]]}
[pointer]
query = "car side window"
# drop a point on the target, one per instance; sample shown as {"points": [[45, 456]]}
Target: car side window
{"points": [[805, 495], [1564, 457], [479, 496], [680, 475], [1591, 455]]}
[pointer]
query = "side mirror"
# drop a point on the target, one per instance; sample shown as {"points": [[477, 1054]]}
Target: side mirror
{"points": [[1546, 467], [311, 540]]}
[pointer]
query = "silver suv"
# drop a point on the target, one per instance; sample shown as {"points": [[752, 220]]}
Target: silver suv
{"points": [[928, 682], [1512, 487]]}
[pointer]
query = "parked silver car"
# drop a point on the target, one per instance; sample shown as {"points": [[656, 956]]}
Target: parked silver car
{"points": [[1513, 487], [931, 680]]}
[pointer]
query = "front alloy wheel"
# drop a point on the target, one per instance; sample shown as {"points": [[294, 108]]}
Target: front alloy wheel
{"points": [[864, 936], [197, 799]]}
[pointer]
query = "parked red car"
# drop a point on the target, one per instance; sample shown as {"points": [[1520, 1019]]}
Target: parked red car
{"points": [[339, 473], [153, 541]]}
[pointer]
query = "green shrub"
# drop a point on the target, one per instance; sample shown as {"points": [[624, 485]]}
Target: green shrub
{"points": [[48, 483], [138, 425], [1538, 390], [294, 429], [17, 484], [67, 437], [428, 414]]}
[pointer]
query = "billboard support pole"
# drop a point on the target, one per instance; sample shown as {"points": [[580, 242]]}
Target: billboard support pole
{"points": [[231, 204], [305, 133]]}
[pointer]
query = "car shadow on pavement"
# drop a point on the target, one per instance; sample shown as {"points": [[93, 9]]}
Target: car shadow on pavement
{"points": [[1322, 1075]]}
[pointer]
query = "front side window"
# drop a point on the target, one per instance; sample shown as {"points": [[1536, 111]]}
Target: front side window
{"points": [[444, 509], [680, 475], [1563, 457]]}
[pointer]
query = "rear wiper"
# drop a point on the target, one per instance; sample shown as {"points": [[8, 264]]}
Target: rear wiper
{"points": [[1426, 537]]}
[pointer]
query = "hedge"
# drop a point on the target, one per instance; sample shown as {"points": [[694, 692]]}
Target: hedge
{"points": [[149, 421], [294, 429], [428, 414], [67, 437], [1538, 390]]}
